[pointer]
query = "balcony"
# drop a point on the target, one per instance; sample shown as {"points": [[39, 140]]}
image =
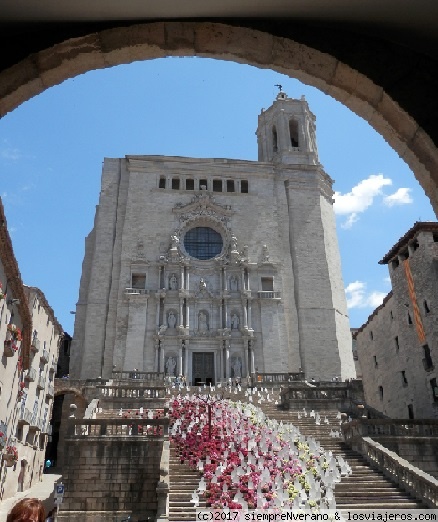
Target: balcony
{"points": [[45, 356], [136, 291], [268, 295], [41, 384], [35, 345], [50, 391], [25, 416], [30, 375]]}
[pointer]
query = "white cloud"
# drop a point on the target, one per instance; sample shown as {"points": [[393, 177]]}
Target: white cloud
{"points": [[361, 196], [357, 296], [401, 196], [9, 153], [352, 218]]}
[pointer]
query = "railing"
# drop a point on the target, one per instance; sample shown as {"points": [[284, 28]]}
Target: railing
{"points": [[418, 483], [35, 344], [268, 295], [142, 428], [136, 291], [50, 391], [139, 392], [278, 378], [390, 428], [90, 412], [24, 416], [141, 376], [45, 356], [30, 375]]}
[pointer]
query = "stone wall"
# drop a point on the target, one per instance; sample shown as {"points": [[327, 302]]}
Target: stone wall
{"points": [[109, 477]]}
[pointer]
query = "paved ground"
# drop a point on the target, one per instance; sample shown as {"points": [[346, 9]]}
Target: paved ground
{"points": [[42, 490]]}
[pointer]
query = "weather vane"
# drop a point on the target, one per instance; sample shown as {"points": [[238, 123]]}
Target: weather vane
{"points": [[280, 87]]}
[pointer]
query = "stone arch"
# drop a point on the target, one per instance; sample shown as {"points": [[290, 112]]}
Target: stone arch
{"points": [[243, 45]]}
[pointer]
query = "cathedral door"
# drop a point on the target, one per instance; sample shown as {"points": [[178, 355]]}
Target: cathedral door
{"points": [[203, 368]]}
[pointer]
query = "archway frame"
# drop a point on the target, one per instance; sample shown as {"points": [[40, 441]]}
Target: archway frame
{"points": [[139, 42]]}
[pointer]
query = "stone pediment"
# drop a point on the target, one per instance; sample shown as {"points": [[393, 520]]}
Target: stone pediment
{"points": [[203, 205]]}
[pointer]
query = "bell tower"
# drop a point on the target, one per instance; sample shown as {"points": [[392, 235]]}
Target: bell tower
{"points": [[286, 132]]}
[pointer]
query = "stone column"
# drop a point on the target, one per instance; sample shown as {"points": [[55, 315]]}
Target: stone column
{"points": [[251, 357], [249, 313], [225, 279], [181, 319], [221, 308], [245, 354], [159, 277], [180, 361], [226, 314], [187, 313], [186, 366], [181, 281], [245, 314], [158, 310], [157, 355], [227, 360], [187, 279], [162, 369], [243, 279]]}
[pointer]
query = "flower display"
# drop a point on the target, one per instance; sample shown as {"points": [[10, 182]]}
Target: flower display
{"points": [[143, 414], [12, 453], [250, 461], [14, 331]]}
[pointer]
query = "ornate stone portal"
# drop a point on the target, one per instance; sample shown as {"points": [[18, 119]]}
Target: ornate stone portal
{"points": [[216, 268]]}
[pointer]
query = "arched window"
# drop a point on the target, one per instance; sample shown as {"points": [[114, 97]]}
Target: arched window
{"points": [[274, 140], [293, 132], [203, 243]]}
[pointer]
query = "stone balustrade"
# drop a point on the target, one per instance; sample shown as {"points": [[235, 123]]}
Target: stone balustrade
{"points": [[128, 391], [417, 482], [390, 427], [157, 377], [278, 378], [151, 428]]}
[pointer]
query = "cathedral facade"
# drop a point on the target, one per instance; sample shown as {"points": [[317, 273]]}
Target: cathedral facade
{"points": [[217, 268]]}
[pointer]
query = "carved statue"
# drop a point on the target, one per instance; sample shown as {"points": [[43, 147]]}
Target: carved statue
{"points": [[173, 282], [265, 254], [237, 367], [170, 366], [235, 322], [233, 242], [233, 283], [171, 320], [202, 284], [162, 329], [175, 240], [202, 322]]}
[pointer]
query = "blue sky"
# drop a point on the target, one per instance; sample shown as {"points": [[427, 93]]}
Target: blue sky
{"points": [[52, 147]]}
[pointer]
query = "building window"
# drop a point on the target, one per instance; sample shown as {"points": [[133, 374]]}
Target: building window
{"points": [[203, 184], [244, 186], [230, 185], [381, 392], [175, 183], [404, 254], [162, 182], [274, 140], [409, 318], [411, 411], [267, 284], [395, 263], [217, 185], [404, 379], [434, 387], [293, 131], [415, 244], [397, 345], [371, 335], [427, 360], [203, 243], [375, 361], [391, 315], [138, 281], [426, 307], [190, 184]]}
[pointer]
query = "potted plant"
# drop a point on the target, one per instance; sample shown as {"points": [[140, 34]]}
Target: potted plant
{"points": [[10, 456]]}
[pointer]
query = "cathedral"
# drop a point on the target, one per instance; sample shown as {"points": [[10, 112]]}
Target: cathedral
{"points": [[217, 268]]}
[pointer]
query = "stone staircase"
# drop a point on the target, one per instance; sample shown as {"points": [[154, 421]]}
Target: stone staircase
{"points": [[365, 488]]}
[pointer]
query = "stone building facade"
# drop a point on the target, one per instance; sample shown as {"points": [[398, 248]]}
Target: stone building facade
{"points": [[30, 336], [216, 268], [397, 346]]}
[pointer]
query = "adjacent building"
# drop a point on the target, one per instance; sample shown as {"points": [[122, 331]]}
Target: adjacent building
{"points": [[30, 337], [216, 268], [397, 346]]}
